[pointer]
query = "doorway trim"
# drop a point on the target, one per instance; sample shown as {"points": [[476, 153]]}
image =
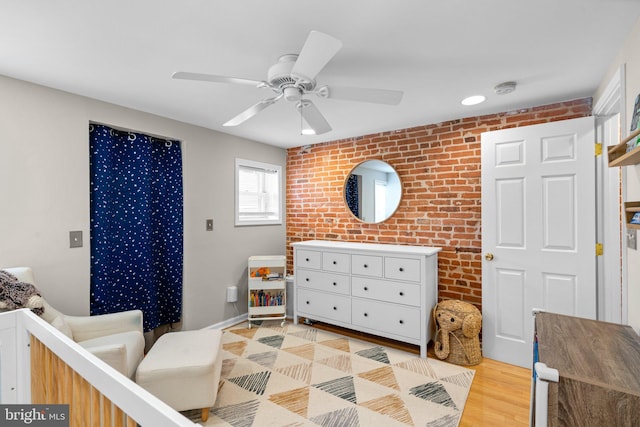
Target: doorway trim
{"points": [[612, 268]]}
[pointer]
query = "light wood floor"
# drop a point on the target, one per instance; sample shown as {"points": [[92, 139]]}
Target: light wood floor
{"points": [[499, 396], [499, 393]]}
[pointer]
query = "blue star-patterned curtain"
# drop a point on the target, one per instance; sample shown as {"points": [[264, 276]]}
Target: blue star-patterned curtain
{"points": [[136, 225], [352, 190]]}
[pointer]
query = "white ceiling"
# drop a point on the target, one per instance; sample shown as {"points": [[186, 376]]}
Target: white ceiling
{"points": [[437, 52]]}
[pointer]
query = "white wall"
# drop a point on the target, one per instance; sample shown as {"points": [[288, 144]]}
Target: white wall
{"points": [[44, 188], [629, 55]]}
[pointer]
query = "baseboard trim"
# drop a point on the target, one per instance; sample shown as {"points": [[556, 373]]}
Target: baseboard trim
{"points": [[229, 322], [234, 321]]}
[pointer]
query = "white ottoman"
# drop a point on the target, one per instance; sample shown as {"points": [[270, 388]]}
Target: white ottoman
{"points": [[183, 369]]}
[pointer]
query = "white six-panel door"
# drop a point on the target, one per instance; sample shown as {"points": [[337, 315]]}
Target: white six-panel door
{"points": [[538, 231]]}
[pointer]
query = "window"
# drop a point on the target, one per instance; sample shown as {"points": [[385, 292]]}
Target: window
{"points": [[258, 193]]}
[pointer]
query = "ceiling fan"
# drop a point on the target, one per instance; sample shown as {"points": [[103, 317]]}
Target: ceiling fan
{"points": [[293, 77]]}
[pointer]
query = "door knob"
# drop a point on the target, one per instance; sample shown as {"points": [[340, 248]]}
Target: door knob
{"points": [[488, 256]]}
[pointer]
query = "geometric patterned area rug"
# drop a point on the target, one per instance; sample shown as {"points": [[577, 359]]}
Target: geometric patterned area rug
{"points": [[301, 376]]}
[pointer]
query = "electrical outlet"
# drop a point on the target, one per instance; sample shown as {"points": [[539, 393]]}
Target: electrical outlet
{"points": [[75, 239], [210, 224], [632, 239]]}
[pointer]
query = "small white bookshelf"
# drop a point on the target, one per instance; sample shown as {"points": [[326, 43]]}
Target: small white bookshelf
{"points": [[267, 295]]}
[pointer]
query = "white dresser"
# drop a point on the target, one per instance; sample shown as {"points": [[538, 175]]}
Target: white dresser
{"points": [[385, 290]]}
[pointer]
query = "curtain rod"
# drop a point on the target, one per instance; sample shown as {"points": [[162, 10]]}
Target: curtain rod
{"points": [[123, 129]]}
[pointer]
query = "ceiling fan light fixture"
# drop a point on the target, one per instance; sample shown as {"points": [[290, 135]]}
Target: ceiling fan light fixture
{"points": [[473, 100], [292, 94]]}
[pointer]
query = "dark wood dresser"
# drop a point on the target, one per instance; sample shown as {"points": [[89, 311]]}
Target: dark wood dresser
{"points": [[598, 366]]}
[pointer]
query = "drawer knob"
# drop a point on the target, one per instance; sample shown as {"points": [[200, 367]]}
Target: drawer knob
{"points": [[335, 262], [366, 266], [401, 294], [306, 259], [401, 269], [307, 302], [365, 315], [401, 322], [307, 279], [335, 284], [335, 308], [366, 289]]}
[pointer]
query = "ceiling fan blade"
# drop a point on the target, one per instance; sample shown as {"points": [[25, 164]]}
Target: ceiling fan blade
{"points": [[214, 78], [315, 54], [252, 111], [313, 117], [361, 94]]}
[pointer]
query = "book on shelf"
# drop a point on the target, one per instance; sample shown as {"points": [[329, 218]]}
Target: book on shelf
{"points": [[265, 299], [635, 125], [635, 117]]}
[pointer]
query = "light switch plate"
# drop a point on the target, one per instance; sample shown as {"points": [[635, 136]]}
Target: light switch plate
{"points": [[632, 239], [75, 239]]}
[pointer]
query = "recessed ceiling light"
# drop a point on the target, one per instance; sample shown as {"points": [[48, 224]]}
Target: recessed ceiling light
{"points": [[473, 100]]}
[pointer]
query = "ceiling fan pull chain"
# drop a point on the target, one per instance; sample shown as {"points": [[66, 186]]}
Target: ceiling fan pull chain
{"points": [[301, 124]]}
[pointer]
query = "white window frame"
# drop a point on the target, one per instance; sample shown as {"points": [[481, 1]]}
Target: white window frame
{"points": [[260, 218]]}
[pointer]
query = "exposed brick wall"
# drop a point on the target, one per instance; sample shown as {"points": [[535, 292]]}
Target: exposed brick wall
{"points": [[439, 166]]}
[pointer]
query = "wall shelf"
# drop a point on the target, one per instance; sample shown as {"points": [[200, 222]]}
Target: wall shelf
{"points": [[630, 208], [618, 155]]}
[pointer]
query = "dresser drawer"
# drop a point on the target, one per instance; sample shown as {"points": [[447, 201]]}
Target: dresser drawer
{"points": [[402, 269], [366, 265], [393, 319], [401, 293], [321, 281], [336, 262], [324, 305], [309, 259]]}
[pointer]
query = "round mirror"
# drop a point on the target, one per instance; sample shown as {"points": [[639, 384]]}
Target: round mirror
{"points": [[372, 191]]}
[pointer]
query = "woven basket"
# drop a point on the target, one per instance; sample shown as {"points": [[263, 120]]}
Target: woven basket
{"points": [[463, 350]]}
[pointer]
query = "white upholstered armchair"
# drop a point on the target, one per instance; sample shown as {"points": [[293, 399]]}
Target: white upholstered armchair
{"points": [[115, 338]]}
